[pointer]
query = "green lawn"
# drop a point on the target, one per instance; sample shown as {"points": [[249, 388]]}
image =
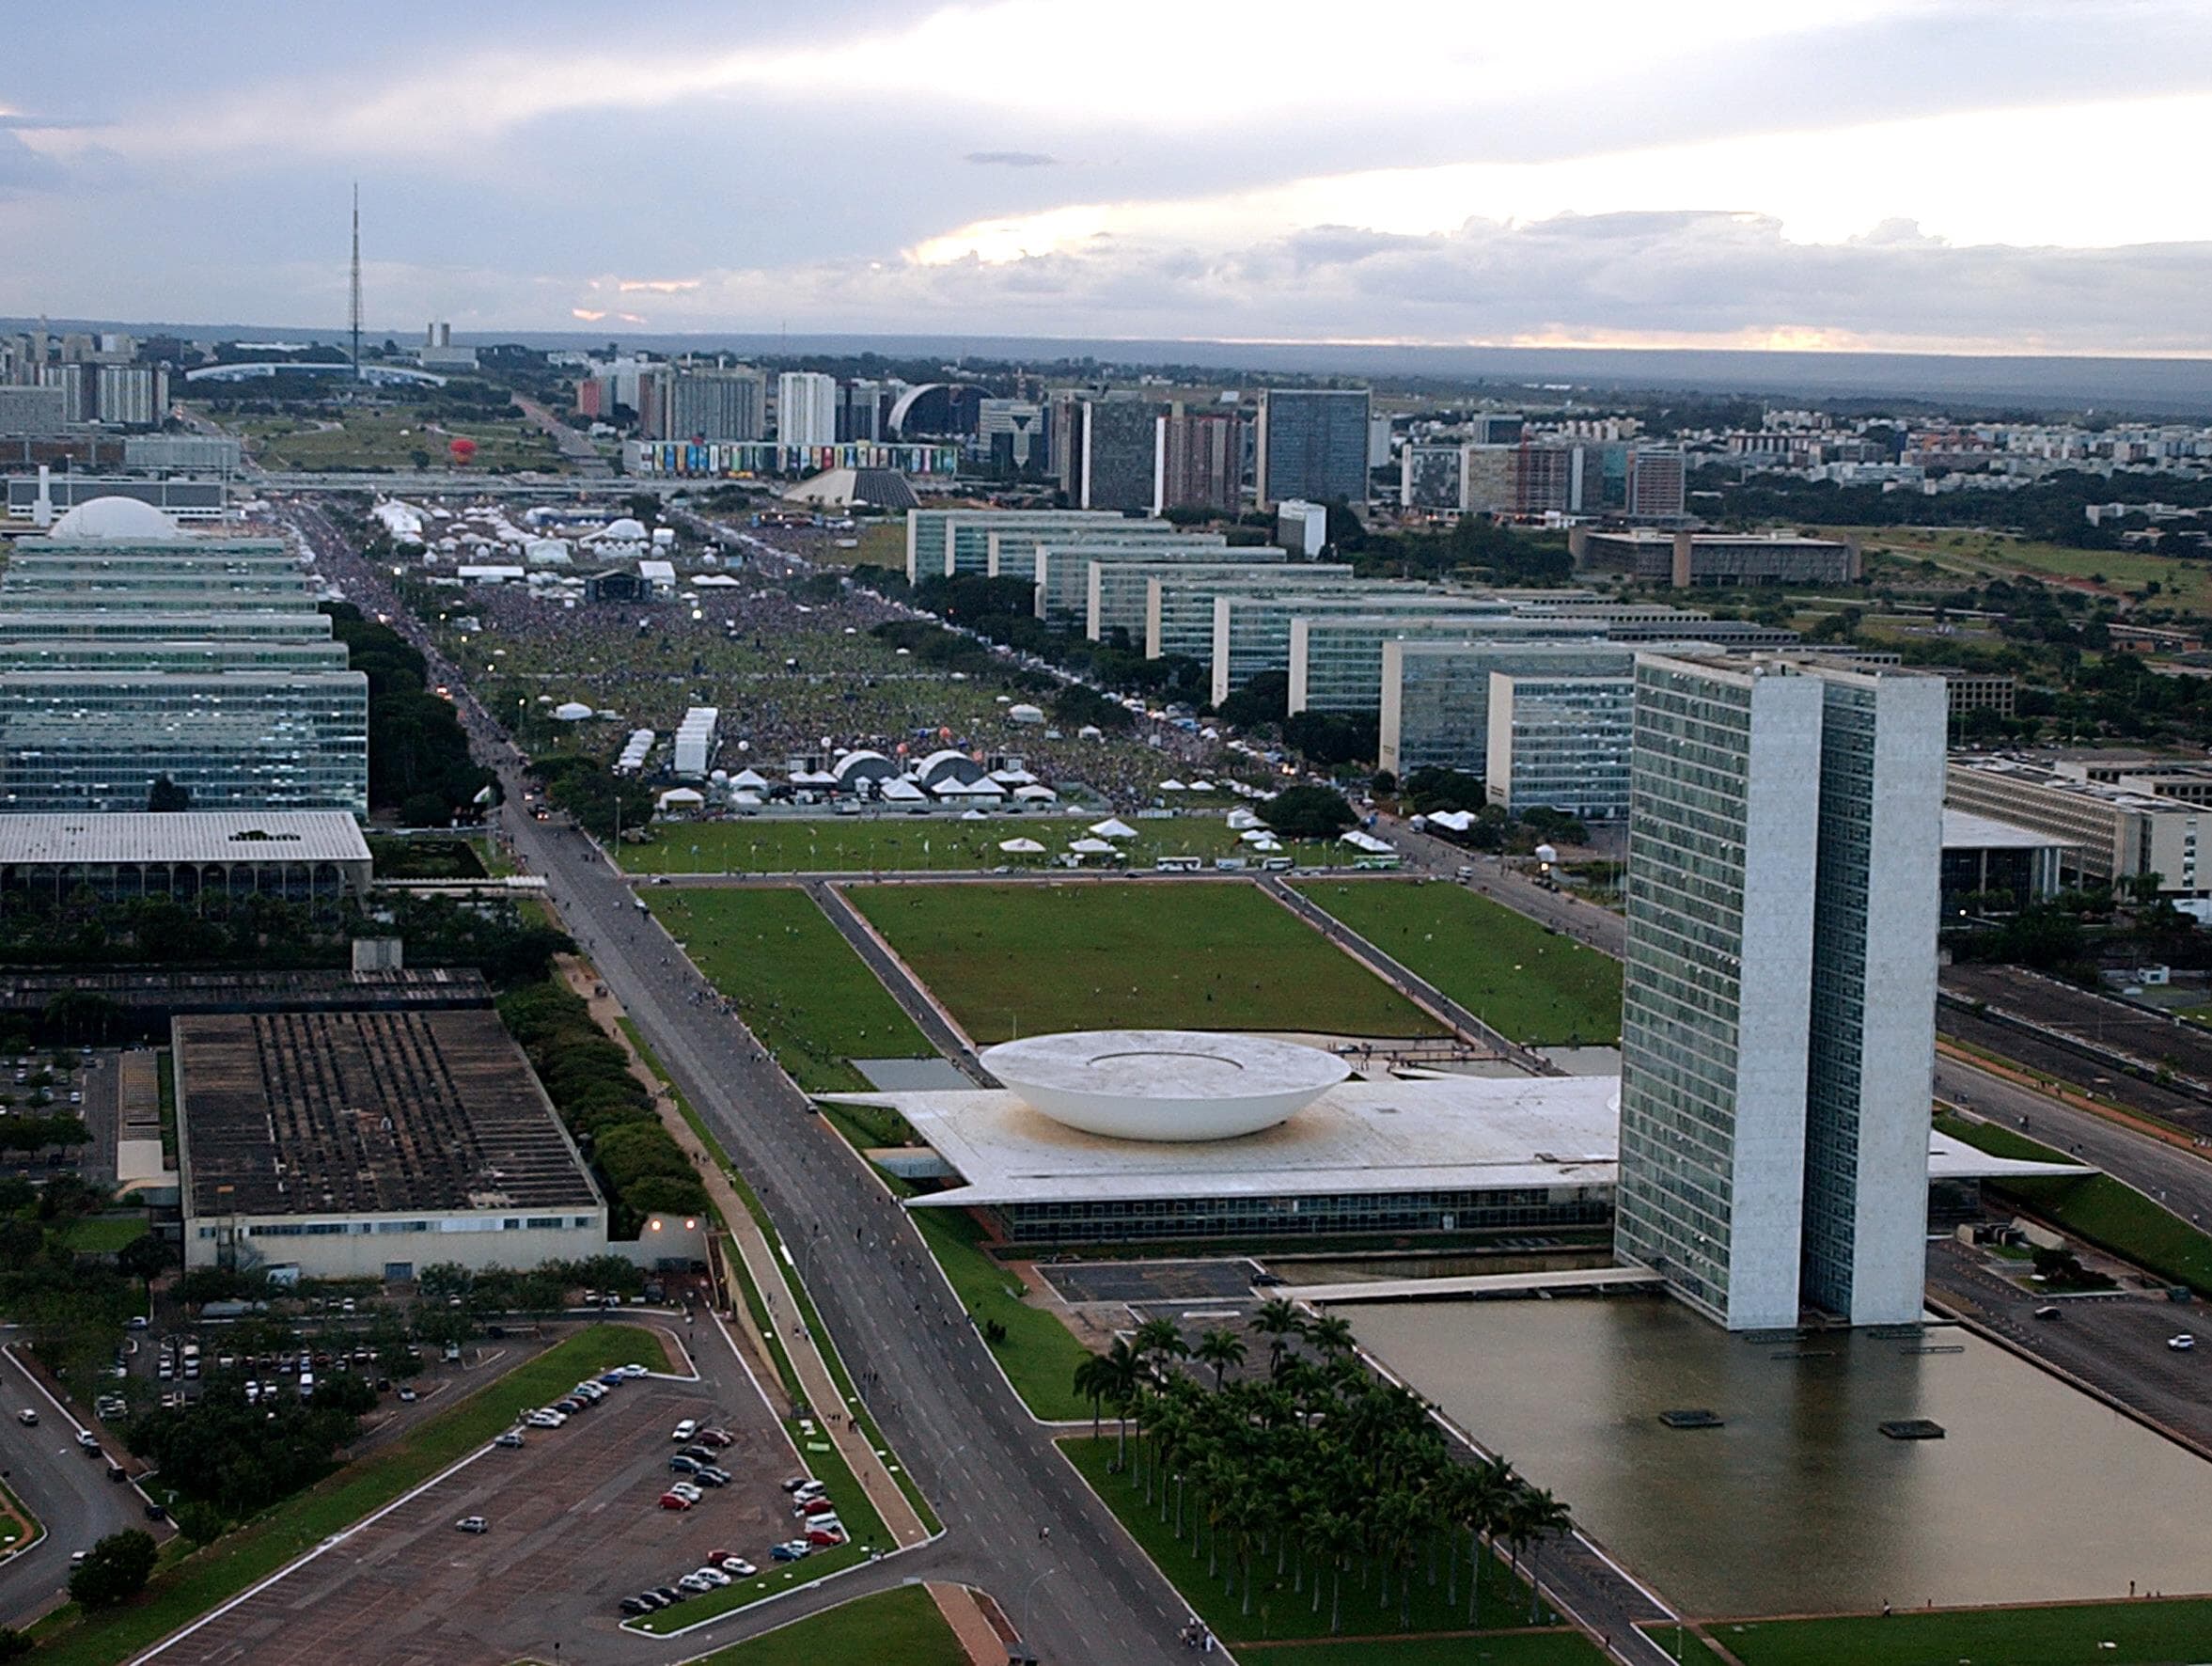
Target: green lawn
{"points": [[797, 983], [2104, 1211], [1040, 1354], [900, 1627], [390, 438], [99, 1236], [893, 844], [1278, 1610], [2186, 585], [1532, 984], [2142, 1633], [1501, 1649], [189, 1585], [1031, 959]]}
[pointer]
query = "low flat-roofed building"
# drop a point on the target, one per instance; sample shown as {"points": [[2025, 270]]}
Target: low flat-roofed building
{"points": [[1985, 859], [1978, 691], [2109, 833], [1451, 1155], [1685, 559], [296, 855], [371, 1145]]}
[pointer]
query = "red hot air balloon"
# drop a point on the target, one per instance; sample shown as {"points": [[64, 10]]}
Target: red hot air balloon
{"points": [[464, 450]]}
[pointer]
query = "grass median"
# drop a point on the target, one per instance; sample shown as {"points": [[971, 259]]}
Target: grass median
{"points": [[191, 1582], [1529, 984], [1031, 959], [2096, 1208], [1040, 1354], [2106, 1633], [901, 1627], [797, 983]]}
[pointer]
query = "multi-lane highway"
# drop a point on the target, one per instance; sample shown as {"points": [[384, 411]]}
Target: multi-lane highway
{"points": [[67, 1489]]}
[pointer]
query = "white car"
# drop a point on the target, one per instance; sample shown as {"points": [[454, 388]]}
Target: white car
{"points": [[714, 1576], [2182, 1344], [684, 1430], [631, 1371], [693, 1583], [683, 1489], [545, 1420]]}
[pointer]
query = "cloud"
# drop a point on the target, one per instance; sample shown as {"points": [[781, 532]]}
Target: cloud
{"points": [[1010, 159], [659, 286], [1684, 278]]}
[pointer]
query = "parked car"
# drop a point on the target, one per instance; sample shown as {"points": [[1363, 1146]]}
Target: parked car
{"points": [[684, 1431], [694, 1585], [686, 1490], [408, 1395], [511, 1439], [826, 1536], [796, 1481], [28, 1418], [716, 1437], [713, 1475], [790, 1550], [472, 1524], [674, 1501], [714, 1576], [736, 1565], [705, 1455], [683, 1466], [2182, 1344], [632, 1606], [817, 1506], [87, 1442]]}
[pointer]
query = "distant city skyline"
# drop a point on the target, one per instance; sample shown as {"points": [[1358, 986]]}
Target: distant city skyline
{"points": [[1945, 175]]}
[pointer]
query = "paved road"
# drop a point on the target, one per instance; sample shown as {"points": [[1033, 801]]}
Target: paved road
{"points": [[2177, 1176], [574, 446], [68, 1491], [987, 1466], [895, 978]]}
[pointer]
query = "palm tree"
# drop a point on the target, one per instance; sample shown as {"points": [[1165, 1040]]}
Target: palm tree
{"points": [[1220, 1349], [1096, 1381], [1162, 1338], [1123, 1371], [1544, 1517], [1331, 1334], [1484, 1490], [1278, 1320]]}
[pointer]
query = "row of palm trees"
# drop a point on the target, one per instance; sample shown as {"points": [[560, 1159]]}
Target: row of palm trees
{"points": [[1320, 1466]]}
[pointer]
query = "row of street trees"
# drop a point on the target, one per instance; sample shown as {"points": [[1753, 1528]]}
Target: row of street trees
{"points": [[1319, 1466]]}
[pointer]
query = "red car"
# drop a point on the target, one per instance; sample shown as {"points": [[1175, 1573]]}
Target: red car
{"points": [[715, 1436], [817, 1535], [674, 1501], [816, 1507]]}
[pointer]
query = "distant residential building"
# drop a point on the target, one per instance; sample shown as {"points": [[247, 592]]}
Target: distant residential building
{"points": [[1686, 558], [1312, 444], [1542, 475], [1778, 989], [1560, 743], [33, 413], [131, 395], [805, 409], [1301, 527], [1199, 458], [1112, 452], [709, 406]]}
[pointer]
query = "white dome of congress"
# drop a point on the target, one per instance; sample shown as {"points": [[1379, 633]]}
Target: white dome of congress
{"points": [[115, 520], [1163, 1084]]}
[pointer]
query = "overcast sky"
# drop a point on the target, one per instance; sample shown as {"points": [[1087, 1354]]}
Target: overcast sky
{"points": [[2011, 175]]}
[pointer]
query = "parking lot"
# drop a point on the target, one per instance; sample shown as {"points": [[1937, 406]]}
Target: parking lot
{"points": [[572, 1526]]}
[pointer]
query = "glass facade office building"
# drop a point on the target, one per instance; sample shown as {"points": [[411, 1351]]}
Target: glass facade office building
{"points": [[1313, 444], [125, 659], [1779, 987], [1560, 743]]}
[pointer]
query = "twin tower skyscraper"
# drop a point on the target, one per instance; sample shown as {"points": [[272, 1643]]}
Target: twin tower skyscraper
{"points": [[1778, 1024]]}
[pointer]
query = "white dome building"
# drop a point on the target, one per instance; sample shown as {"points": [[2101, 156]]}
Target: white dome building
{"points": [[116, 520], [1174, 1085]]}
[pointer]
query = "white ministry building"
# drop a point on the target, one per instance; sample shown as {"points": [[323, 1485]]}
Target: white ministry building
{"points": [[805, 409], [1778, 1024]]}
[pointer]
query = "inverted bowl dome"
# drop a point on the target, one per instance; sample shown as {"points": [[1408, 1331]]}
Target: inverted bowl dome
{"points": [[1163, 1084]]}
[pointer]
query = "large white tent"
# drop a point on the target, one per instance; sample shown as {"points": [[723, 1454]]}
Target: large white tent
{"points": [[1113, 828], [1021, 847]]}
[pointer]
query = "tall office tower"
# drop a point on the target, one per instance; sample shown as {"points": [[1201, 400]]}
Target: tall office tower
{"points": [[712, 405], [1778, 996], [805, 409], [1114, 454], [1873, 993], [1313, 444], [1199, 461], [860, 410]]}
